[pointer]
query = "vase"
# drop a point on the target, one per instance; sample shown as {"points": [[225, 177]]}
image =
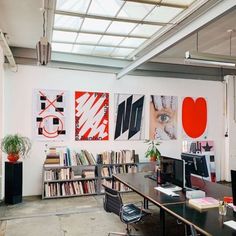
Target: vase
{"points": [[13, 157]]}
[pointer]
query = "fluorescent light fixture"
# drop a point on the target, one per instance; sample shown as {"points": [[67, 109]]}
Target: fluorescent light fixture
{"points": [[210, 59]]}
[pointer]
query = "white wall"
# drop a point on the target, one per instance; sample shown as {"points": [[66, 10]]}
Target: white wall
{"points": [[18, 110], [1, 114]]}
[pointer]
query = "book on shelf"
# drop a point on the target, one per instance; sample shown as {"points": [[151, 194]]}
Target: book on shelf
{"points": [[204, 203]]}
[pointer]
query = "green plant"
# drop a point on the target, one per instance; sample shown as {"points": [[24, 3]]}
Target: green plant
{"points": [[16, 144], [152, 150]]}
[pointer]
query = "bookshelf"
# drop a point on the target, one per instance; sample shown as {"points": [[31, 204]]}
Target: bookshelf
{"points": [[85, 176]]}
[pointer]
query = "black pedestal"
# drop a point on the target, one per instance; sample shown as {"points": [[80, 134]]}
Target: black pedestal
{"points": [[13, 182]]}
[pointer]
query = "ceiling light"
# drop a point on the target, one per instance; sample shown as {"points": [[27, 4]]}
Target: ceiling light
{"points": [[43, 47], [210, 59]]}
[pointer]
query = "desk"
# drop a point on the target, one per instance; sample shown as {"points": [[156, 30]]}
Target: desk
{"points": [[207, 222]]}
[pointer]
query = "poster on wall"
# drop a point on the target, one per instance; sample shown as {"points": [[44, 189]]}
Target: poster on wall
{"points": [[91, 116], [50, 115], [129, 117], [205, 148], [163, 117], [194, 118]]}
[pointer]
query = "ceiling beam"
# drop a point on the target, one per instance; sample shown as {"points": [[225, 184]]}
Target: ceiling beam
{"points": [[206, 17], [126, 20], [159, 3]]}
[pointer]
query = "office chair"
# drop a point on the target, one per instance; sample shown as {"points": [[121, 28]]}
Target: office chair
{"points": [[128, 213], [190, 230]]}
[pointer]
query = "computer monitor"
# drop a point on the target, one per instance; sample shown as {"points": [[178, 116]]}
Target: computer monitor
{"points": [[194, 164], [172, 171], [233, 184]]}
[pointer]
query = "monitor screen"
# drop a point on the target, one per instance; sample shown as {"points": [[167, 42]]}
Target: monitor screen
{"points": [[172, 171], [233, 184], [194, 164]]}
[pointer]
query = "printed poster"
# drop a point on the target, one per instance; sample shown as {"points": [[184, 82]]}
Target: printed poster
{"points": [[194, 118], [129, 117], [91, 116], [50, 115], [163, 117]]}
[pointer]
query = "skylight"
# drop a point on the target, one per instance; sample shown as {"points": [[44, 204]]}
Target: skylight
{"points": [[110, 28]]}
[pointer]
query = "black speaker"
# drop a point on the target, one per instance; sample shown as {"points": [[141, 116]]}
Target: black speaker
{"points": [[13, 182]]}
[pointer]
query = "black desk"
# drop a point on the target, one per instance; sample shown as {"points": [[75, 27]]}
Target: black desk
{"points": [[207, 222]]}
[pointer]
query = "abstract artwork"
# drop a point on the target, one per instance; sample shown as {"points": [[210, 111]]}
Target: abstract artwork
{"points": [[129, 121], [206, 148], [91, 116], [194, 117], [50, 115], [163, 117]]}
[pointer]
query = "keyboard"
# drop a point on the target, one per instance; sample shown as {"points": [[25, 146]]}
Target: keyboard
{"points": [[167, 192]]}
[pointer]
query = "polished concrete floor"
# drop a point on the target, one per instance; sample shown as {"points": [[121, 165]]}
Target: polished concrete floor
{"points": [[83, 216]]}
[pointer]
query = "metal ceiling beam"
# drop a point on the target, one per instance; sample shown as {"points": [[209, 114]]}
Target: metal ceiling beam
{"points": [[159, 3], [27, 56], [215, 11], [127, 20]]}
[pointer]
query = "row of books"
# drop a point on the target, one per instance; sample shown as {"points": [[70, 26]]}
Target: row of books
{"points": [[120, 157], [69, 188], [115, 185], [61, 156], [67, 174], [107, 171]]}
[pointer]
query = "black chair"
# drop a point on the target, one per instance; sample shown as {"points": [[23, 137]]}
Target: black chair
{"points": [[128, 213]]}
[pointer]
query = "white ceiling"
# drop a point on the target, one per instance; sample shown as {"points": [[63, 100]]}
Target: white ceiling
{"points": [[22, 21]]}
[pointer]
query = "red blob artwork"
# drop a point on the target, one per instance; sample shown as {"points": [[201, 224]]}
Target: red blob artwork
{"points": [[194, 116]]}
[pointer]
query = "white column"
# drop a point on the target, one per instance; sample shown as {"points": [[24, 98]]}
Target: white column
{"points": [[1, 116], [229, 159]]}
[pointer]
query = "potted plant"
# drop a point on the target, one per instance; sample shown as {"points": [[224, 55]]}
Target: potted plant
{"points": [[152, 152], [15, 146]]}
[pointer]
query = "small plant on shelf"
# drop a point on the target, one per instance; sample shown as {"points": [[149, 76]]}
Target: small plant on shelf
{"points": [[152, 152], [15, 146]]}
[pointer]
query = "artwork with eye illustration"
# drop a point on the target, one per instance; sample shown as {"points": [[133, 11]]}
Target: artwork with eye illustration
{"points": [[163, 117]]}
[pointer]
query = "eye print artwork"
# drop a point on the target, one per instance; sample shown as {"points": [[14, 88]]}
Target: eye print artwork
{"points": [[163, 117]]}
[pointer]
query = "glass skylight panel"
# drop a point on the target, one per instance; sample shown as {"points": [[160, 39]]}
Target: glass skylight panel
{"points": [[72, 5], [62, 47], [121, 52], [67, 22], [95, 25], [163, 14], [88, 38], [121, 27], [105, 7], [136, 11], [111, 40], [64, 36], [145, 30], [83, 49], [132, 42], [102, 51]]}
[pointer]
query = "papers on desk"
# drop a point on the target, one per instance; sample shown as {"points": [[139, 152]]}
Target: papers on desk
{"points": [[167, 191], [231, 224], [204, 202]]}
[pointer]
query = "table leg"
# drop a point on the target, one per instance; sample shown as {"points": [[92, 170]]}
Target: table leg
{"points": [[162, 222], [145, 203]]}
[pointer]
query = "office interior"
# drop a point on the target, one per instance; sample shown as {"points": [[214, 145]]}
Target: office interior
{"points": [[155, 67]]}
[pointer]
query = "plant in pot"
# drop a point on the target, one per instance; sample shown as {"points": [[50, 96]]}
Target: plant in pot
{"points": [[152, 152], [15, 146]]}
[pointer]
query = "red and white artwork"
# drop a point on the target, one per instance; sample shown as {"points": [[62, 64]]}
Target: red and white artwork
{"points": [[194, 117], [91, 116], [50, 112]]}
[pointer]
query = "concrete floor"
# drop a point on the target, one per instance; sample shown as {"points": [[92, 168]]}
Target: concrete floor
{"points": [[83, 216]]}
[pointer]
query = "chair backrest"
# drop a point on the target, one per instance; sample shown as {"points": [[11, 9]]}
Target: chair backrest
{"points": [[112, 200]]}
